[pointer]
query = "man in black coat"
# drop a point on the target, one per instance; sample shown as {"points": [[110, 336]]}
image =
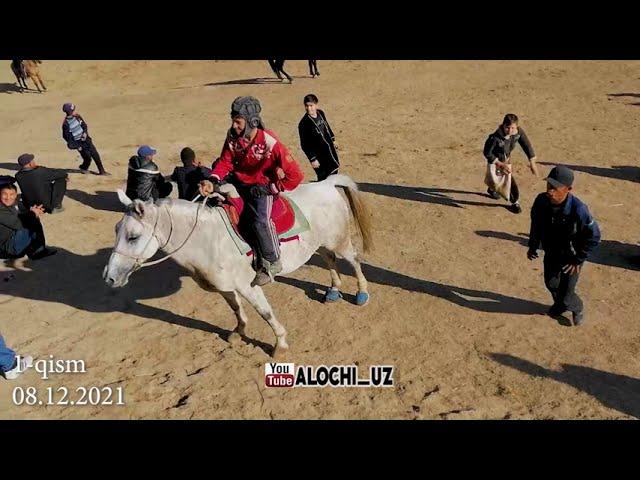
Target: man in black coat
{"points": [[145, 182], [41, 185], [317, 139], [189, 176]]}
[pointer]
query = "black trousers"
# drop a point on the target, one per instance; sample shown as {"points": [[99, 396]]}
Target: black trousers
{"points": [[313, 67], [58, 189], [256, 225], [34, 226], [278, 68], [515, 191], [323, 171], [561, 285], [88, 153]]}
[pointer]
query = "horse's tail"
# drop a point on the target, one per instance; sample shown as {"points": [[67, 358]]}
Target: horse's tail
{"points": [[358, 208]]}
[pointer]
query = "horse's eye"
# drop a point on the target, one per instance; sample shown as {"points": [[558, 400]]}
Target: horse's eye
{"points": [[133, 239]]}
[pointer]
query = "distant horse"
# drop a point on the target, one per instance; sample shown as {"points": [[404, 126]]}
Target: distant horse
{"points": [[28, 68]]}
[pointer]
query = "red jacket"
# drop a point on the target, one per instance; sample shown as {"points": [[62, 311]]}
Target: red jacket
{"points": [[255, 163]]}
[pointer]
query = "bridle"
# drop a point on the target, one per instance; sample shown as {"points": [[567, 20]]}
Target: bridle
{"points": [[139, 261]]}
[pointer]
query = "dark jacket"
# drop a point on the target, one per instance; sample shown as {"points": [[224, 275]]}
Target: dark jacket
{"points": [[571, 233], [73, 144], [145, 182], [499, 148], [35, 185], [318, 144], [188, 178]]}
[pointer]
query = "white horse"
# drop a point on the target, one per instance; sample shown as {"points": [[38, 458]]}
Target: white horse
{"points": [[196, 238]]}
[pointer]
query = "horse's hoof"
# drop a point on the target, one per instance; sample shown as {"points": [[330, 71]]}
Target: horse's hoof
{"points": [[234, 338], [362, 298], [279, 352], [332, 295]]}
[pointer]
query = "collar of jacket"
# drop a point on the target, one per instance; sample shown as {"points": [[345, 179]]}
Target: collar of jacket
{"points": [[568, 204]]}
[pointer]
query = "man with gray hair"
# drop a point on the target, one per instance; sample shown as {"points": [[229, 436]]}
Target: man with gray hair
{"points": [[260, 167]]}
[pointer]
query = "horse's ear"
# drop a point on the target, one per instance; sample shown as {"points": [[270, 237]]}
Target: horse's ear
{"points": [[138, 207], [126, 201]]}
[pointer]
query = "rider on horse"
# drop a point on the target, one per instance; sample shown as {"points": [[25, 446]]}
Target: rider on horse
{"points": [[261, 167]]}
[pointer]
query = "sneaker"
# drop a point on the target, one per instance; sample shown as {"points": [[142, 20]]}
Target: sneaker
{"points": [[84, 171], [25, 362], [267, 273], [57, 210], [261, 278], [493, 194], [578, 318], [42, 253], [515, 208]]}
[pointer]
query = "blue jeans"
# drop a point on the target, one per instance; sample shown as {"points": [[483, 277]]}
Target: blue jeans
{"points": [[7, 357], [20, 241]]}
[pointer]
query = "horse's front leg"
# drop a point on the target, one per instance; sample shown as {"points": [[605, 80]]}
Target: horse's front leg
{"points": [[255, 296], [235, 302], [42, 83]]}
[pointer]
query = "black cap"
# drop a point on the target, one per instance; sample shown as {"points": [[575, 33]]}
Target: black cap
{"points": [[25, 159], [560, 176]]}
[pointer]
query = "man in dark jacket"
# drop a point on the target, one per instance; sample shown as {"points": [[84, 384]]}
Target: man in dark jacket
{"points": [[145, 182], [21, 232], [317, 139], [562, 224], [498, 148], [75, 132], [41, 185], [189, 176]]}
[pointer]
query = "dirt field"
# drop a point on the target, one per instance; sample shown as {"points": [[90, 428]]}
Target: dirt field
{"points": [[455, 305]]}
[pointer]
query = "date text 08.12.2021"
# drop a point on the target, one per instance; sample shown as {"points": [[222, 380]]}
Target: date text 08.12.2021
{"points": [[63, 396]]}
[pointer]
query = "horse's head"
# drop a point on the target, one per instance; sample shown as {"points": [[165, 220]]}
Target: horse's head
{"points": [[136, 240]]}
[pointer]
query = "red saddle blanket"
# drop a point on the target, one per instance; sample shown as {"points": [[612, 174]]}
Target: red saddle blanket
{"points": [[282, 213]]}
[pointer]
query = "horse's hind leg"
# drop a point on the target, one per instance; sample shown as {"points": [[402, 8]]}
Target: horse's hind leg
{"points": [[38, 82], [235, 302], [35, 83], [255, 296], [350, 254], [333, 294]]}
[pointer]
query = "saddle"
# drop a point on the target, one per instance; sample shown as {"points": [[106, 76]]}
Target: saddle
{"points": [[288, 220]]}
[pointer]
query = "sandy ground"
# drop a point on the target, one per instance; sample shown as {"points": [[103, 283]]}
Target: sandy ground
{"points": [[455, 307]]}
